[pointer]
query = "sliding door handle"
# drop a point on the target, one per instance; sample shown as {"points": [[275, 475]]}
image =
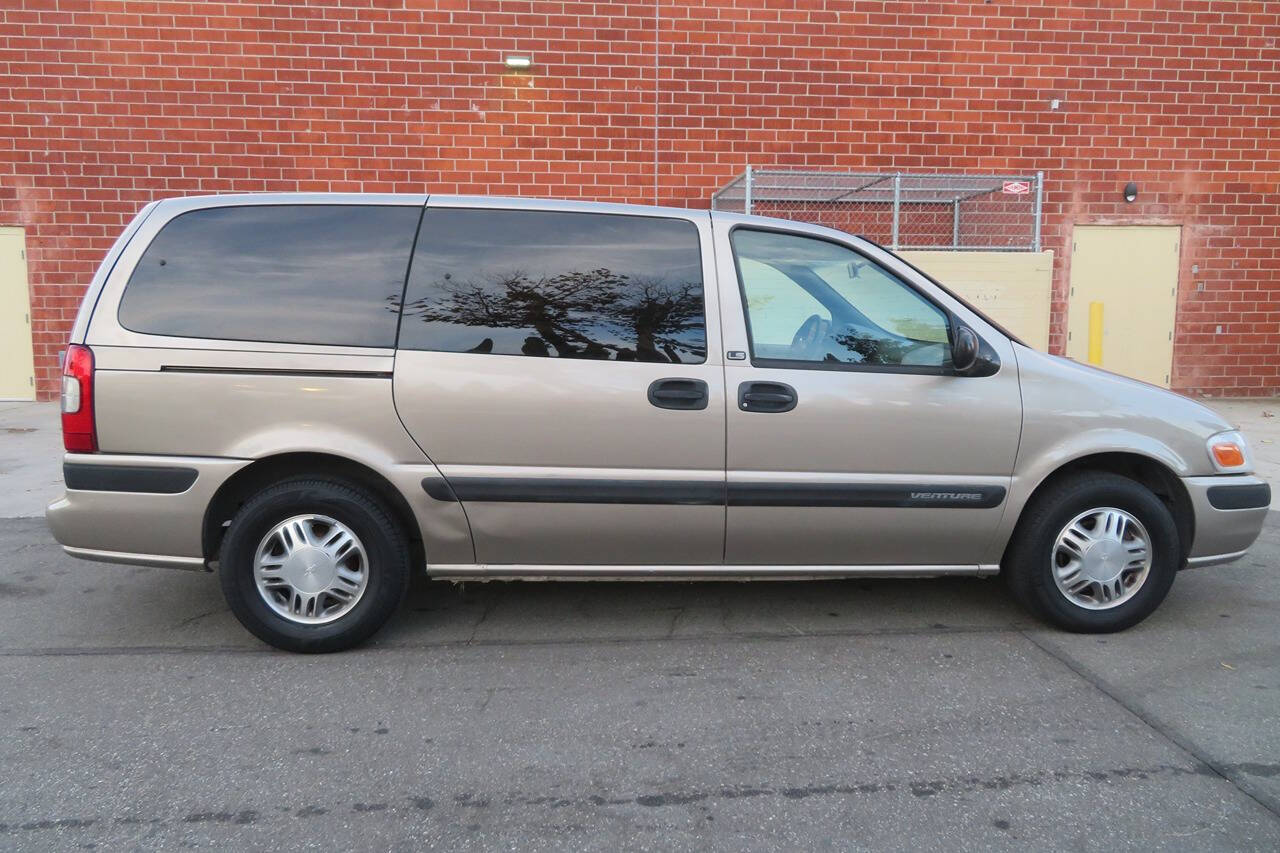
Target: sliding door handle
{"points": [[688, 394]]}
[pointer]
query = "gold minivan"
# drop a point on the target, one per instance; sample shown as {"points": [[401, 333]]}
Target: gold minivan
{"points": [[318, 395]]}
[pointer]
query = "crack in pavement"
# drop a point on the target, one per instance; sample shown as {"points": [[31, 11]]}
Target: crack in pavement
{"points": [[416, 804], [618, 640], [1229, 773], [489, 607], [190, 619]]}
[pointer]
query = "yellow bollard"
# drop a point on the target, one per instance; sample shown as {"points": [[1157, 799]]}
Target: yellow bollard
{"points": [[1095, 333]]}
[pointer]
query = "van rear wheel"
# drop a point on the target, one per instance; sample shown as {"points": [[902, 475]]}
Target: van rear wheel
{"points": [[1095, 553], [312, 565]]}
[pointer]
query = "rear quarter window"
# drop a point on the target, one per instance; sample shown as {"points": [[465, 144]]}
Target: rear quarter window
{"points": [[328, 275]]}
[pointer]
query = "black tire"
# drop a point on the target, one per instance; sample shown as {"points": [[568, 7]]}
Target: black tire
{"points": [[1028, 562], [386, 548]]}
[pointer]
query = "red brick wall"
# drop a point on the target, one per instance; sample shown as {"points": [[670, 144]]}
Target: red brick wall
{"points": [[106, 105]]}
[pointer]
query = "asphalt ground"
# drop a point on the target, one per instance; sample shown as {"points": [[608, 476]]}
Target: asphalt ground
{"points": [[601, 716]]}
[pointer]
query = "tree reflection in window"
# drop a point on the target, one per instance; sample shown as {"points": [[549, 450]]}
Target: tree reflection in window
{"points": [[862, 347], [560, 285], [595, 314]]}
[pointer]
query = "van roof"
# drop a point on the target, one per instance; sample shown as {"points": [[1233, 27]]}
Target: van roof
{"points": [[196, 202]]}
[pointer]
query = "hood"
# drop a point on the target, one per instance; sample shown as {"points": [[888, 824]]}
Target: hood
{"points": [[1120, 394]]}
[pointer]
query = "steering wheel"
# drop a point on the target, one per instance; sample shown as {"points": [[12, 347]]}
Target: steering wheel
{"points": [[812, 332]]}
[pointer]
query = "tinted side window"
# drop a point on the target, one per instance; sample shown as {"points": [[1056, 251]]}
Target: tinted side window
{"points": [[564, 285], [301, 274], [810, 300]]}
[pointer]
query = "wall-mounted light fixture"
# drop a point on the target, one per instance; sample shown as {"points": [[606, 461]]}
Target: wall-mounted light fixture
{"points": [[518, 61], [1131, 192]]}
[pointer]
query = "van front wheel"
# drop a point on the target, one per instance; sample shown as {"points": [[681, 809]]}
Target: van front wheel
{"points": [[1096, 552], [313, 565]]}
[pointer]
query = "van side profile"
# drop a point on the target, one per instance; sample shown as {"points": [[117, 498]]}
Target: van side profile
{"points": [[317, 395]]}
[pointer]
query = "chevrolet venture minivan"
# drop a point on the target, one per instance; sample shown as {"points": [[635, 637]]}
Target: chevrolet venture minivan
{"points": [[317, 396]]}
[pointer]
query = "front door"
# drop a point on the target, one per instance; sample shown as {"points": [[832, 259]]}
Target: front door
{"points": [[1124, 289], [851, 441], [562, 368]]}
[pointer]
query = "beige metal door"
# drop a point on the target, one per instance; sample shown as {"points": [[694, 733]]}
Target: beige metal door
{"points": [[562, 457], [17, 373], [1124, 287], [891, 463]]}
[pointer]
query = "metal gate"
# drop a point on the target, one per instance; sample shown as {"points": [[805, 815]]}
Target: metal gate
{"points": [[901, 210]]}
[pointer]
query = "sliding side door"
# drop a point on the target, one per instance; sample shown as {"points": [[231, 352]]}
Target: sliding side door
{"points": [[560, 364]]}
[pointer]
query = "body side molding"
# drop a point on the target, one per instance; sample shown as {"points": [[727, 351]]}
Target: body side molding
{"points": [[713, 492], [1248, 496], [155, 479], [591, 491]]}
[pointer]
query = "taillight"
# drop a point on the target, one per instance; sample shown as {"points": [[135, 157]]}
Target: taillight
{"points": [[78, 431]]}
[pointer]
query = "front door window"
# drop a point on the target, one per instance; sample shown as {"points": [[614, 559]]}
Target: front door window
{"points": [[811, 300]]}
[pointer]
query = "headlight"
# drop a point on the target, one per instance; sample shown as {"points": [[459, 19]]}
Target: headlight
{"points": [[1229, 453]]}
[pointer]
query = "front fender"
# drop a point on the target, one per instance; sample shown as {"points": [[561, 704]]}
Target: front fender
{"points": [[1033, 472], [1072, 411]]}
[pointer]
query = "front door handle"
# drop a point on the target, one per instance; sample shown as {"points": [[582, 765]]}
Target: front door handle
{"points": [[688, 394], [774, 397]]}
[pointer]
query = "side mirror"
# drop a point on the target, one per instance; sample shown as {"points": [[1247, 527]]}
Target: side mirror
{"points": [[964, 349]]}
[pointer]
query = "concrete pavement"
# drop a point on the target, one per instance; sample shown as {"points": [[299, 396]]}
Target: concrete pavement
{"points": [[715, 716], [30, 458]]}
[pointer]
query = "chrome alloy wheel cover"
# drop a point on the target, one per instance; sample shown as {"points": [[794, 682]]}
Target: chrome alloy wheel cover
{"points": [[1101, 558], [311, 569]]}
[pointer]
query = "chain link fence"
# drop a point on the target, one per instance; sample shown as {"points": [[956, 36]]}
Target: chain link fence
{"points": [[899, 210]]}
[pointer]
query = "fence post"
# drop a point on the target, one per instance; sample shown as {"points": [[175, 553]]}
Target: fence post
{"points": [[746, 196], [1039, 208], [897, 207], [955, 224]]}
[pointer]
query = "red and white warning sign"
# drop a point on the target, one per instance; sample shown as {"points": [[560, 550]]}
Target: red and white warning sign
{"points": [[1017, 187]]}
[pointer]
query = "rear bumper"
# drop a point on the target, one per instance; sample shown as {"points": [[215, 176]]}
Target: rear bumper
{"points": [[138, 510], [1229, 513]]}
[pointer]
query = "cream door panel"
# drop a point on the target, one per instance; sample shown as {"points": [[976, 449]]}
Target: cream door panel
{"points": [[1014, 288], [17, 371], [1131, 272]]}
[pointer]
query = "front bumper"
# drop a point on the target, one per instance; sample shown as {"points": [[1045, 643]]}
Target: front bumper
{"points": [[139, 510], [1229, 513]]}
